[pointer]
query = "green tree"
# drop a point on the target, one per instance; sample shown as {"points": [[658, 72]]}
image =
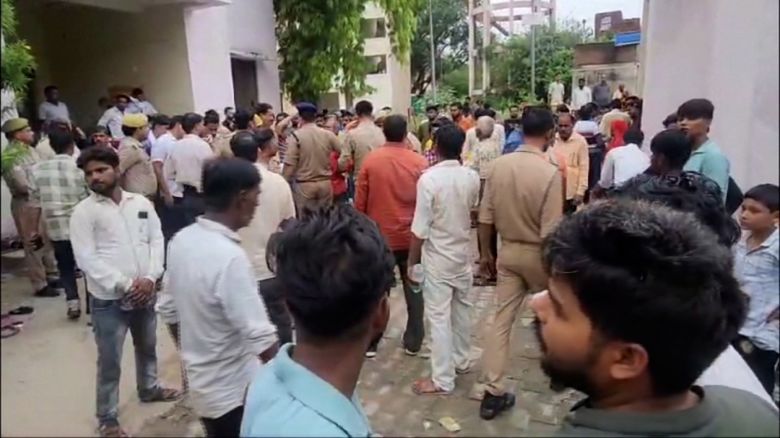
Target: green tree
{"points": [[16, 64], [450, 40], [511, 61], [320, 43]]}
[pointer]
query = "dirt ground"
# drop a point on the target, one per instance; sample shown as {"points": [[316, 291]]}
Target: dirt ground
{"points": [[48, 379]]}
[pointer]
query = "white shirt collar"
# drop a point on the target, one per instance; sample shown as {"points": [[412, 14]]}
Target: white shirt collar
{"points": [[219, 228]]}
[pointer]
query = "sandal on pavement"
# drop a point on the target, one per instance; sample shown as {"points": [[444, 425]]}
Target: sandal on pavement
{"points": [[161, 394], [22, 310], [112, 431], [427, 387]]}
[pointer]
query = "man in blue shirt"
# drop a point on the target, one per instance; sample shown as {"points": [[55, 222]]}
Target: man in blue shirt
{"points": [[694, 119], [336, 270]]}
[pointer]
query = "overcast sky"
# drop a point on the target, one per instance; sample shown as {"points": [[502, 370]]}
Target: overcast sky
{"points": [[586, 9]]}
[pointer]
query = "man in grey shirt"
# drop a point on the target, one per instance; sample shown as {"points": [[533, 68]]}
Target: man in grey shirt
{"points": [[602, 95], [52, 108], [641, 301]]}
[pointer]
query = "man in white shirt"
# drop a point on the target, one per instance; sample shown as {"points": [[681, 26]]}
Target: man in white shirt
{"points": [[170, 193], [138, 103], [112, 118], [441, 238], [624, 162], [225, 330], [275, 205], [580, 95], [621, 92], [555, 92], [52, 109], [118, 244], [185, 166]]}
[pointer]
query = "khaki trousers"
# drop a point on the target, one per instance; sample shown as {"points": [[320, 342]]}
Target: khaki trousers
{"points": [[39, 263], [312, 195], [520, 271]]}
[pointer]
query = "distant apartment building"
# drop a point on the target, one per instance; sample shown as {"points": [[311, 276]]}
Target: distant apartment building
{"points": [[390, 78]]}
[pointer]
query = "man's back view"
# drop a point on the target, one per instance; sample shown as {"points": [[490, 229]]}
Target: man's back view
{"points": [[523, 200], [307, 162]]}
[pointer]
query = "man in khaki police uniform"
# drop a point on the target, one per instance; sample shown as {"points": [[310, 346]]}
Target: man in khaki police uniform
{"points": [[307, 162], [37, 251], [523, 201], [135, 165]]}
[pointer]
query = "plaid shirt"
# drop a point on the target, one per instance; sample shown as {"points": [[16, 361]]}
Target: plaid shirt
{"points": [[56, 186]]}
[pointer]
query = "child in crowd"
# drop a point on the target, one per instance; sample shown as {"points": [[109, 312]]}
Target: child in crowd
{"points": [[757, 268]]}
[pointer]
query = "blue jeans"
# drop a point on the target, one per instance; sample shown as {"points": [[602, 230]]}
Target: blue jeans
{"points": [[110, 325]]}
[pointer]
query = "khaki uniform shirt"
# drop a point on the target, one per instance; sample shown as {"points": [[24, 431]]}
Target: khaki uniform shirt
{"points": [[575, 152], [358, 142], [221, 144], [308, 154], [136, 169], [523, 197], [17, 178]]}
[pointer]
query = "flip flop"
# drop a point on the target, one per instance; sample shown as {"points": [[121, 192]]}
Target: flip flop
{"points": [[21, 310], [9, 330], [163, 395], [112, 431], [427, 387]]}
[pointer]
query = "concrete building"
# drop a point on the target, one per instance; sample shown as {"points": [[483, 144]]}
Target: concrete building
{"points": [[389, 76], [490, 18], [613, 22], [187, 55], [725, 52], [618, 63]]}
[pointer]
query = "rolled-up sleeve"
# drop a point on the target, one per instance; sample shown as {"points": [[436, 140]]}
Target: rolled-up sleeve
{"points": [[236, 289], [423, 210], [156, 246]]}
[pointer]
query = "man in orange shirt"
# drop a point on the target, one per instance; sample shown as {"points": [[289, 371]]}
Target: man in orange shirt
{"points": [[574, 149], [387, 193], [465, 122]]}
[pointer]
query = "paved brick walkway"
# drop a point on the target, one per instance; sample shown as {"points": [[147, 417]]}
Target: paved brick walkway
{"points": [[385, 388]]}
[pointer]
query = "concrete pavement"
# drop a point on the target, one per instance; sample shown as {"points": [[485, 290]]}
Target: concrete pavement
{"points": [[48, 379]]}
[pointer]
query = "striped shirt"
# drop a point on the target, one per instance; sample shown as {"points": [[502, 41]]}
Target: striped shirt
{"points": [[56, 186]]}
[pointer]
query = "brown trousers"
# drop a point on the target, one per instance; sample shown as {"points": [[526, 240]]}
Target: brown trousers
{"points": [[40, 263], [520, 271], [312, 195]]}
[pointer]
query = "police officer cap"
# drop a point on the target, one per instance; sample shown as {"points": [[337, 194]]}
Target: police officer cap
{"points": [[134, 120], [306, 107], [14, 125]]}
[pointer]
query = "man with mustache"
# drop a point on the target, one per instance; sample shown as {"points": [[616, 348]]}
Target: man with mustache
{"points": [[118, 244], [641, 300]]}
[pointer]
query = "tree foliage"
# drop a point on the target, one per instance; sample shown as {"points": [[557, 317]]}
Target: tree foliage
{"points": [[17, 60], [320, 43], [16, 64], [450, 38], [511, 61]]}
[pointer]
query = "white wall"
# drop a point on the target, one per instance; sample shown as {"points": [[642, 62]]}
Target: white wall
{"points": [[725, 51], [208, 53], [252, 30], [84, 50]]}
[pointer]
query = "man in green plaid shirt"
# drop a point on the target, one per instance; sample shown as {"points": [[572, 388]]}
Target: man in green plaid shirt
{"points": [[56, 186]]}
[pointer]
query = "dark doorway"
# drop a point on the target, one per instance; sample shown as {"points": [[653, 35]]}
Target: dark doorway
{"points": [[244, 82]]}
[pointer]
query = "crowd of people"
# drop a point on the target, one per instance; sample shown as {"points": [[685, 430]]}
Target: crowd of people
{"points": [[268, 244]]}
